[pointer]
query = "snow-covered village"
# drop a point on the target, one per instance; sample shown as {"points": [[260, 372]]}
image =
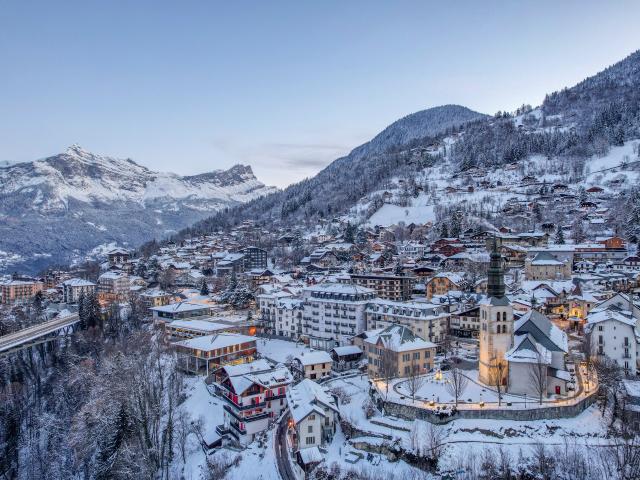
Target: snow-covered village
{"points": [[457, 298]]}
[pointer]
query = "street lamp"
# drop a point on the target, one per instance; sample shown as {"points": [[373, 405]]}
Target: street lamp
{"points": [[525, 400]]}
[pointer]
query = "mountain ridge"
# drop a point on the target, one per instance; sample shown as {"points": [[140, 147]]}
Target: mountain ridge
{"points": [[93, 194]]}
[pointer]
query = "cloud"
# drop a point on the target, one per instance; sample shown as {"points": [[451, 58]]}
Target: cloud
{"points": [[303, 158]]}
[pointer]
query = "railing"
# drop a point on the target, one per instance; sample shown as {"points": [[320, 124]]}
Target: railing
{"points": [[252, 418]]}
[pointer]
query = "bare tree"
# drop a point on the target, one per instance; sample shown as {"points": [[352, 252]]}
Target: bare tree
{"points": [[497, 371], [415, 379], [609, 378], [457, 384], [388, 368], [538, 376]]}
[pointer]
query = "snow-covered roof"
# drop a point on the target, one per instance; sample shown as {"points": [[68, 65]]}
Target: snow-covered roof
{"points": [[399, 338], [527, 350], [180, 307], [347, 350], [309, 397], [310, 455], [610, 314], [208, 343], [78, 282], [339, 288], [314, 357], [544, 332], [198, 325]]}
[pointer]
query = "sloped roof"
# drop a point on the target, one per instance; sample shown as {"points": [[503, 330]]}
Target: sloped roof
{"points": [[527, 350], [544, 332], [309, 397]]}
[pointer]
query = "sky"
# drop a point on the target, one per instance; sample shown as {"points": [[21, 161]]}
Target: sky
{"points": [[286, 87]]}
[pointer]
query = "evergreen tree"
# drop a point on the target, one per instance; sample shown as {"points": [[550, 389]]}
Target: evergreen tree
{"points": [[632, 221], [559, 236], [204, 288], [349, 233], [444, 230]]}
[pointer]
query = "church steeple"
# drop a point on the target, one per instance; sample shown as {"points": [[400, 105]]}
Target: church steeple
{"points": [[495, 280]]}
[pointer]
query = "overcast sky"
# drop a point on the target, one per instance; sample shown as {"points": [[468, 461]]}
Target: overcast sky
{"points": [[286, 87]]}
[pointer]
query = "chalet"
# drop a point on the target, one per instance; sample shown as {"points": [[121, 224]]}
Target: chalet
{"points": [[254, 395]]}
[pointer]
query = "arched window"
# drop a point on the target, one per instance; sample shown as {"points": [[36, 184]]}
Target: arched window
{"points": [[504, 316], [497, 316]]}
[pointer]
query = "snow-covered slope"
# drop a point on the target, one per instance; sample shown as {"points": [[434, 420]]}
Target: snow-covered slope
{"points": [[60, 207]]}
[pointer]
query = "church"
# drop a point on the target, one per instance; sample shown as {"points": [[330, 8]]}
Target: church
{"points": [[518, 353]]}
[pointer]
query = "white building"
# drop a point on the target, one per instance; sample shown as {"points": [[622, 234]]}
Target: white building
{"points": [[314, 415], [73, 288], [614, 334], [333, 313]]}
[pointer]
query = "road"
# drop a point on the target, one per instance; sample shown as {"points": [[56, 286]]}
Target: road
{"points": [[13, 340], [282, 457]]}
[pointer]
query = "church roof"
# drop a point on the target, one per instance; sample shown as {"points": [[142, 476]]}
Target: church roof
{"points": [[544, 332], [527, 350]]}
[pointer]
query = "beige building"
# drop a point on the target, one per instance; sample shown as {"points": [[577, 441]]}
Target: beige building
{"points": [[19, 291], [544, 266], [314, 365], [426, 320], [397, 349]]}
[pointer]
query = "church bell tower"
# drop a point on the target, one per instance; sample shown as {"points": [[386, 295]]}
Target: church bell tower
{"points": [[496, 325]]}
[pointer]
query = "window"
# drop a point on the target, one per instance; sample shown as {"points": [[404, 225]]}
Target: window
{"points": [[311, 440], [600, 328], [498, 316], [416, 356], [310, 429], [504, 316]]}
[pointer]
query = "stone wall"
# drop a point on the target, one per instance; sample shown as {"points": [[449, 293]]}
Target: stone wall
{"points": [[408, 412]]}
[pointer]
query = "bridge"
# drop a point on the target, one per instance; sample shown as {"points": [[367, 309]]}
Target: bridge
{"points": [[37, 334]]}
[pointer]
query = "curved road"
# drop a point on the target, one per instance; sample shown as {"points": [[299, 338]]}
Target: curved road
{"points": [[282, 457]]}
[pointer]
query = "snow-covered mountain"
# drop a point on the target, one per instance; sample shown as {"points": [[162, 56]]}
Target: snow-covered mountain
{"points": [[59, 208], [451, 148]]}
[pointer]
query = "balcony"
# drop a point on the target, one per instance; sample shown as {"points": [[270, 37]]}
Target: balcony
{"points": [[222, 430], [251, 418], [242, 407]]}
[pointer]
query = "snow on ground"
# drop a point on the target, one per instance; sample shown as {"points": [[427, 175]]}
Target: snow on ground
{"points": [[464, 437], [392, 214], [278, 350], [200, 405]]}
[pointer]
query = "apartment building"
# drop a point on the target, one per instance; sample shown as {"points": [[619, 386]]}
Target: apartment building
{"points": [[19, 291], [333, 313], [389, 287], [397, 348], [426, 320], [74, 288], [113, 285]]}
